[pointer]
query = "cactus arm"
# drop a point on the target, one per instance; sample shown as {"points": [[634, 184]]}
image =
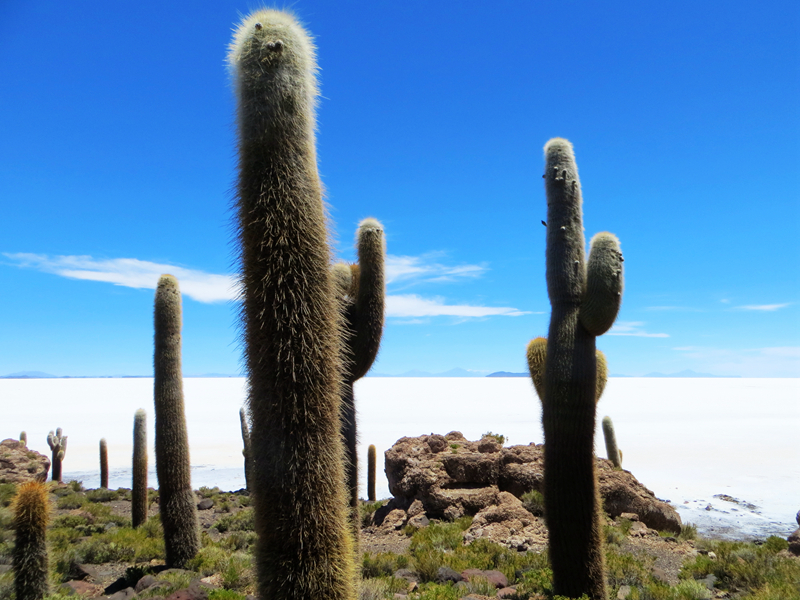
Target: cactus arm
{"points": [[604, 283], [51, 441]]}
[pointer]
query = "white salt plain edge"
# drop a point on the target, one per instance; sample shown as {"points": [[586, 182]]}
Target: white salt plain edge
{"points": [[688, 440]]}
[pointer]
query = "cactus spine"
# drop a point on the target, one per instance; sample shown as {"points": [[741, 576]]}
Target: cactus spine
{"points": [[584, 302], [30, 509], [58, 445], [537, 361], [371, 463], [139, 500], [290, 319], [360, 291], [246, 451], [103, 463], [612, 451], [23, 438], [177, 504]]}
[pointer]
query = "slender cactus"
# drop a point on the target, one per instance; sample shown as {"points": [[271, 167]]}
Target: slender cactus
{"points": [[612, 451], [290, 319], [177, 503], [247, 450], [139, 500], [103, 463], [585, 301], [23, 437], [360, 291], [31, 509], [371, 463], [58, 446]]}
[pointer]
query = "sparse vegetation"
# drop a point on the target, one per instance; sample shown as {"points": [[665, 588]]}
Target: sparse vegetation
{"points": [[499, 438]]}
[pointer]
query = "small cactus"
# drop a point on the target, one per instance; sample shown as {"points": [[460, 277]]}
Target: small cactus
{"points": [[360, 292], [139, 500], [177, 503], [23, 438], [371, 463], [103, 463], [246, 451], [614, 454], [31, 512], [58, 445]]}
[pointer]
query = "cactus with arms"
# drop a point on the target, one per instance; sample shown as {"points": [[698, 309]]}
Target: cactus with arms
{"points": [[177, 504], [139, 500], [31, 509], [360, 291], [585, 300], [290, 320], [58, 445]]}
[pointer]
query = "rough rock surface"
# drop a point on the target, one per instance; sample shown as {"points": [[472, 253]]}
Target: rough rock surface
{"points": [[451, 476], [509, 524], [19, 464]]}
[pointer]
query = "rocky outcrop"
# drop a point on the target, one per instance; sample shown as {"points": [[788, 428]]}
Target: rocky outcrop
{"points": [[19, 464], [451, 476]]}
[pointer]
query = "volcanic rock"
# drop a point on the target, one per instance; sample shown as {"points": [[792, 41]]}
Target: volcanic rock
{"points": [[19, 464]]}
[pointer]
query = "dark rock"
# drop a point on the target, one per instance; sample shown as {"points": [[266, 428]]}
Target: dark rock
{"points": [[446, 574], [123, 594], [205, 504], [506, 591], [406, 574], [496, 578], [19, 464], [437, 443], [196, 591], [794, 542], [144, 583], [119, 585], [81, 588]]}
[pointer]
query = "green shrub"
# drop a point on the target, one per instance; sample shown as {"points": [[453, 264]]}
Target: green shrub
{"points": [[223, 594], [102, 495], [75, 485], [533, 502], [207, 492], [688, 532], [240, 521], [435, 591], [7, 492], [367, 509], [239, 540], [237, 571], [500, 439], [775, 544], [382, 564], [71, 501]]}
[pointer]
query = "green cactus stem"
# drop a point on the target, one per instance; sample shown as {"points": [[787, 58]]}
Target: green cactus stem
{"points": [[30, 508], [23, 438], [177, 503], [290, 320], [247, 451], [139, 500], [537, 361], [612, 451], [58, 446], [584, 305], [361, 297], [103, 463], [371, 464]]}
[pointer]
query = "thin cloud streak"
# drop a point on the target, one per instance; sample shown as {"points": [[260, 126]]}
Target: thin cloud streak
{"points": [[411, 305], [425, 268], [633, 329], [763, 307]]}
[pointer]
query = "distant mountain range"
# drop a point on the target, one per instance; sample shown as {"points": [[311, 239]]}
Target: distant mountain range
{"points": [[457, 372]]}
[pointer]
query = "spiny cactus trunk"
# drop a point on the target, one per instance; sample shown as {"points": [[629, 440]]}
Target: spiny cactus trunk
{"points": [[349, 435], [176, 500], [29, 560], [103, 464], [247, 451], [371, 466], [139, 500], [612, 451], [290, 322]]}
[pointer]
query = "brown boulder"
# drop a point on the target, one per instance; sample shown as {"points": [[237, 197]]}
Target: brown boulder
{"points": [[19, 464], [508, 524], [466, 477]]}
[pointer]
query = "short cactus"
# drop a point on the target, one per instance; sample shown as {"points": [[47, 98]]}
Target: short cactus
{"points": [[614, 454], [23, 438], [585, 301], [360, 291], [290, 321], [177, 503], [58, 445], [103, 463], [247, 452], [29, 562], [371, 464], [139, 500]]}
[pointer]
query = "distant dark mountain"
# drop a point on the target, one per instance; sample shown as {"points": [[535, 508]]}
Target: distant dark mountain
{"points": [[457, 372], [507, 374], [686, 373], [29, 375]]}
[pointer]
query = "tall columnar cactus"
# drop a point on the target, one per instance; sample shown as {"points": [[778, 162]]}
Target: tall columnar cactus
{"points": [[247, 451], [31, 510], [371, 464], [177, 503], [58, 445], [23, 438], [139, 500], [290, 319], [585, 300], [103, 463], [612, 451], [537, 361], [360, 291]]}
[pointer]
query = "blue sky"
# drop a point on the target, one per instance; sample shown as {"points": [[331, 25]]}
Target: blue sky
{"points": [[117, 163]]}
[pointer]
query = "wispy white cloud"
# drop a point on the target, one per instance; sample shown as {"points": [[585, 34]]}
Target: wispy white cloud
{"points": [[132, 273], [774, 361], [763, 307], [411, 305], [427, 268], [673, 308], [210, 287], [634, 329]]}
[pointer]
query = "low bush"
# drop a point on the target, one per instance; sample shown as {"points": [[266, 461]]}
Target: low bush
{"points": [[240, 521]]}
